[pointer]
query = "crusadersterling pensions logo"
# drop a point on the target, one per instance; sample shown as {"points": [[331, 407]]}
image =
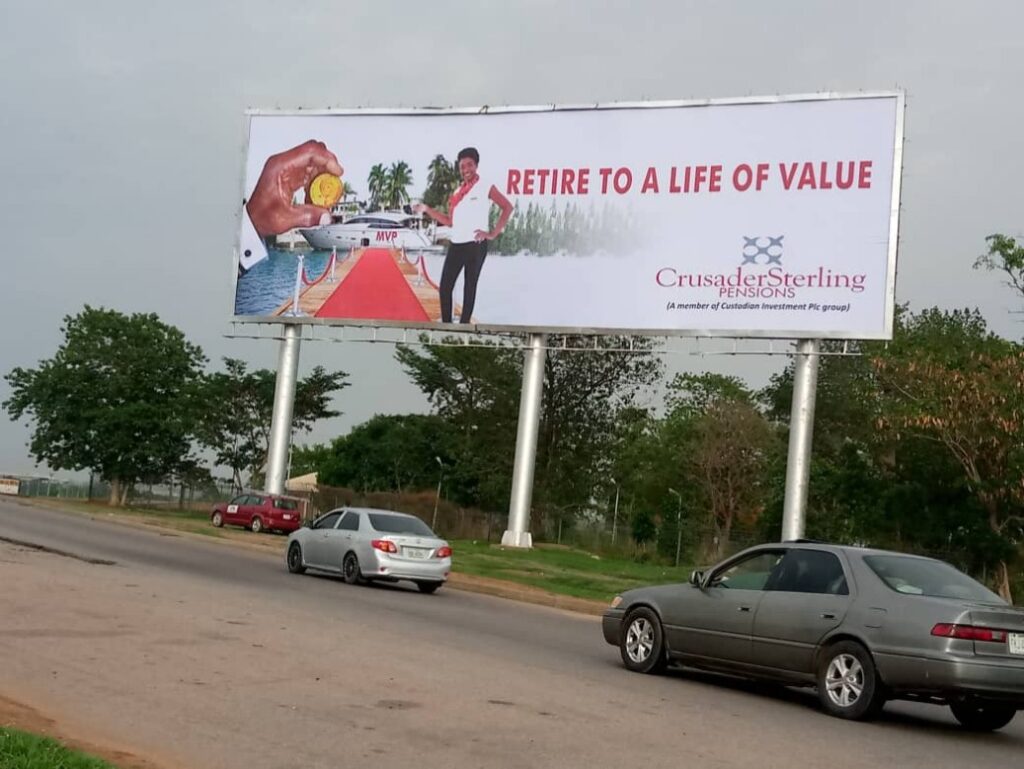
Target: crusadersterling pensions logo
{"points": [[761, 275], [768, 247]]}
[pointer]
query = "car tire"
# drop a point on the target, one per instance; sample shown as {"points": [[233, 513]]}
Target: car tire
{"points": [[217, 520], [642, 645], [848, 682], [295, 565], [428, 587], [256, 525], [983, 716], [350, 570]]}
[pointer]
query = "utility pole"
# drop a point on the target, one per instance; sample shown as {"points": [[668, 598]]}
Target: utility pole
{"points": [[615, 515], [679, 524]]}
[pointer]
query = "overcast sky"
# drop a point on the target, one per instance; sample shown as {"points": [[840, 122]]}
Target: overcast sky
{"points": [[121, 130]]}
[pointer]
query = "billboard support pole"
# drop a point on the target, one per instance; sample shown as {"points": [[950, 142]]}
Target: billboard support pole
{"points": [[518, 534], [284, 403], [801, 432]]}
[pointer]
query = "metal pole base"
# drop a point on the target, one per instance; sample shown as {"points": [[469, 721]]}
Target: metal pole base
{"points": [[517, 539]]}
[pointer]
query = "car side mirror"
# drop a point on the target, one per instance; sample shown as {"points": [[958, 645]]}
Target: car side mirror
{"points": [[696, 578]]}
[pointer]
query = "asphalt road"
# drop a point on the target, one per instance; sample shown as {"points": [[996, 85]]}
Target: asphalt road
{"points": [[306, 671]]}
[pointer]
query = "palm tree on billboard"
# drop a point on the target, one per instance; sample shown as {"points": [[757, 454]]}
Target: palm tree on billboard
{"points": [[442, 180], [377, 184], [399, 177]]}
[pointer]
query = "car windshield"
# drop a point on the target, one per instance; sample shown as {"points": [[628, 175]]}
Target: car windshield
{"points": [[399, 524], [286, 504], [920, 576]]}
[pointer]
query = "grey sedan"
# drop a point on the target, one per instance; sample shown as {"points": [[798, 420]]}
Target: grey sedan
{"points": [[863, 626], [364, 544]]}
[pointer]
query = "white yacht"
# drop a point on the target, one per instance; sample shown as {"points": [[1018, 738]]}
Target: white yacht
{"points": [[384, 229]]}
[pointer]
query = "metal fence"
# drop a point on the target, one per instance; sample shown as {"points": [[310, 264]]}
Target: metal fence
{"points": [[156, 495]]}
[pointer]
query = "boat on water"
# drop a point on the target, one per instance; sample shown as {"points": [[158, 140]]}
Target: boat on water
{"points": [[385, 229]]}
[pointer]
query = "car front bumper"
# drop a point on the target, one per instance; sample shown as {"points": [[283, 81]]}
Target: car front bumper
{"points": [[611, 625]]}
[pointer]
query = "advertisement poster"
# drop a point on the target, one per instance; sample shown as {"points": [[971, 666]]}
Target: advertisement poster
{"points": [[774, 217]]}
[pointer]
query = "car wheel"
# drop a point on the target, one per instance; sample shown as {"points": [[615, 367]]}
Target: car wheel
{"points": [[256, 525], [217, 520], [643, 645], [295, 559], [848, 684], [983, 717], [428, 587], [350, 570]]}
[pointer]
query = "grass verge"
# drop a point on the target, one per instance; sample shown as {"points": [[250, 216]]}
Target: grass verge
{"points": [[561, 570], [20, 750]]}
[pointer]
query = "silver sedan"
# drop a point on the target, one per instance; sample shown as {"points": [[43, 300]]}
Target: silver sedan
{"points": [[863, 626], [364, 544]]}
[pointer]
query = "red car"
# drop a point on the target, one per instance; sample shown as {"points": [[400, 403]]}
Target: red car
{"points": [[259, 512]]}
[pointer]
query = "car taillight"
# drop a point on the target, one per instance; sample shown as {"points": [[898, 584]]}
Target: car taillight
{"points": [[969, 633], [443, 552], [384, 545]]}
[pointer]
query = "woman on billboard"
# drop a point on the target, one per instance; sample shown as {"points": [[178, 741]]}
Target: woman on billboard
{"points": [[469, 216]]}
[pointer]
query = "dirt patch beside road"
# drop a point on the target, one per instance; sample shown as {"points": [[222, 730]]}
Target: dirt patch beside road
{"points": [[16, 715]]}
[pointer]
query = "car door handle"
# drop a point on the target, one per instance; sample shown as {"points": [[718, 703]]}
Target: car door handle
{"points": [[742, 608], [828, 615]]}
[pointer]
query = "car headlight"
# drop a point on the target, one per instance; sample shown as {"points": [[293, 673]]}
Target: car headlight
{"points": [[616, 601]]}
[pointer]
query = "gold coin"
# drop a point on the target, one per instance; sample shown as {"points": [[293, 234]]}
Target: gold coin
{"points": [[325, 190]]}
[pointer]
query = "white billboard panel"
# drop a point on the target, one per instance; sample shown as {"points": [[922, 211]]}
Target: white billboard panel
{"points": [[761, 217]]}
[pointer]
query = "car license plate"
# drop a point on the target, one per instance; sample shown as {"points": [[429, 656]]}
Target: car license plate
{"points": [[415, 552], [1016, 643]]}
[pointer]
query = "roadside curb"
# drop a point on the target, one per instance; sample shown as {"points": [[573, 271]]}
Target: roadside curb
{"points": [[465, 582]]}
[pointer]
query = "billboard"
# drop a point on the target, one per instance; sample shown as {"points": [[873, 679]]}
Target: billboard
{"points": [[10, 486], [773, 217]]}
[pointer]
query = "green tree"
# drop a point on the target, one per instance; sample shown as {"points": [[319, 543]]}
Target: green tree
{"points": [[119, 398], [442, 181], [391, 453], [396, 187], [1004, 255], [239, 405], [975, 412], [721, 451], [377, 184], [310, 459], [734, 449], [891, 487], [477, 389]]}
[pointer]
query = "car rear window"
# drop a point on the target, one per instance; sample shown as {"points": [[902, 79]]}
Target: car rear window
{"points": [[920, 576], [399, 524], [286, 504]]}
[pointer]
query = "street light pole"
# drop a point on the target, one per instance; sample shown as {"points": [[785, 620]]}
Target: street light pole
{"points": [[615, 515], [679, 524], [437, 497]]}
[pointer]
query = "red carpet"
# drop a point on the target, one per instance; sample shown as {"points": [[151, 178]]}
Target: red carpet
{"points": [[375, 289]]}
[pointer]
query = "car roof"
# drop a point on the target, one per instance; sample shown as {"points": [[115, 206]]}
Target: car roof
{"points": [[811, 544], [375, 511]]}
